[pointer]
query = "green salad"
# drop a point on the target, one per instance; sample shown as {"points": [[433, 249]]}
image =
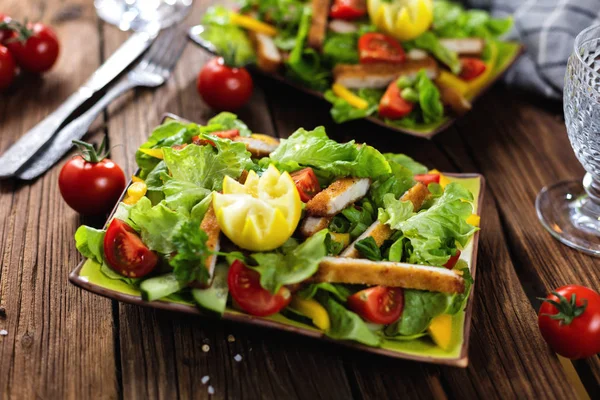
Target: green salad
{"points": [[359, 244], [412, 64]]}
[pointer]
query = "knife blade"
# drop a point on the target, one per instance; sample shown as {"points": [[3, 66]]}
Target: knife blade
{"points": [[35, 139]]}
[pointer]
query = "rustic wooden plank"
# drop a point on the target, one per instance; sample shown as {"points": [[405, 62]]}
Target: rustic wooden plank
{"points": [[523, 147], [60, 340]]}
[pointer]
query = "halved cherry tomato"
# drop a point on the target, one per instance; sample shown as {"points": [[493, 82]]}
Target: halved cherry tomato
{"points": [[426, 179], [471, 68], [348, 9], [378, 304], [377, 47], [306, 183], [392, 105], [126, 253], [244, 285], [453, 260], [228, 134]]}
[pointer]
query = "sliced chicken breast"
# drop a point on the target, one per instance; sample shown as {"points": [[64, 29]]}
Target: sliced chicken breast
{"points": [[417, 54], [391, 274], [452, 98], [311, 225], [318, 26], [464, 46], [259, 145], [211, 227], [268, 56], [380, 75], [337, 196], [341, 26]]}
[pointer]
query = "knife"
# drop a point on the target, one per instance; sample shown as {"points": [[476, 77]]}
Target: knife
{"points": [[32, 141]]}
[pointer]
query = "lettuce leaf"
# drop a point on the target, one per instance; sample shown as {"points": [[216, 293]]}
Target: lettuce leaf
{"points": [[420, 307], [342, 111], [429, 42], [89, 241], [341, 48], [397, 183], [315, 149], [191, 253], [346, 325], [227, 120], [340, 292], [292, 263], [453, 21], [430, 103], [407, 162], [395, 211]]}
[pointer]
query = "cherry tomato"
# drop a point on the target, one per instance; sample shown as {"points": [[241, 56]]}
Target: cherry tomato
{"points": [[224, 88], [91, 185], [126, 253], [569, 320], [39, 50], [392, 105], [4, 33], [378, 304], [426, 179], [244, 285], [229, 134], [8, 68], [306, 183], [348, 9], [471, 68], [453, 260], [377, 47]]}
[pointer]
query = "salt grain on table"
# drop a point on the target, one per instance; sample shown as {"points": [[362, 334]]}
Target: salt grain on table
{"points": [[230, 339], [205, 348], [3, 332], [205, 379], [211, 390], [237, 358]]}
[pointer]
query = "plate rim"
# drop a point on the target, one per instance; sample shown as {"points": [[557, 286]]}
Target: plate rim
{"points": [[193, 35], [461, 361]]}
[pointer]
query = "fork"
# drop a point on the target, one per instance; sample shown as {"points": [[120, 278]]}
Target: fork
{"points": [[152, 71]]}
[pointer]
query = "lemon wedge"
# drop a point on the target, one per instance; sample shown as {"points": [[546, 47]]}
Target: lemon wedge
{"points": [[262, 213], [402, 19]]}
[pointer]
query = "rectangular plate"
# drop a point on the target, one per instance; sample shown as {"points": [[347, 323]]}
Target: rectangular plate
{"points": [[87, 275], [516, 51]]}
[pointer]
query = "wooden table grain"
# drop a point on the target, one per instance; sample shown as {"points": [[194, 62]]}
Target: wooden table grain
{"points": [[65, 343]]}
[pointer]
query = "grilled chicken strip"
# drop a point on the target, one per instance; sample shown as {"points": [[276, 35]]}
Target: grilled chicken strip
{"points": [[381, 232], [268, 57], [464, 46], [341, 26], [318, 27], [339, 195], [259, 145], [386, 273], [452, 98], [311, 225], [380, 75], [211, 227]]}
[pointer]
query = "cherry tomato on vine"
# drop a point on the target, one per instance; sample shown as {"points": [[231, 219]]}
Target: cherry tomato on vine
{"points": [[222, 87], [90, 183], [244, 285], [34, 46], [126, 253], [4, 33], [378, 304], [8, 68], [569, 320]]}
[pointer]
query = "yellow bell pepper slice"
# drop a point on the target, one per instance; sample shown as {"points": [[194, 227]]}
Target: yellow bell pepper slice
{"points": [[444, 180], [475, 86], [402, 19], [156, 153], [449, 79], [136, 179], [313, 310], [343, 93], [343, 238], [252, 24], [265, 138], [135, 192], [440, 330], [474, 220]]}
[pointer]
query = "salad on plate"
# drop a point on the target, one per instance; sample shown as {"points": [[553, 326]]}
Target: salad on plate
{"points": [[339, 238], [410, 64]]}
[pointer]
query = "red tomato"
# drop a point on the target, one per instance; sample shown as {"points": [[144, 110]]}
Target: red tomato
{"points": [[38, 50], [471, 68], [91, 188], [224, 88], [348, 9], [8, 68], [244, 285], [4, 33], [378, 304], [392, 105], [377, 47], [126, 253], [229, 134], [306, 183], [453, 260], [426, 179], [569, 320]]}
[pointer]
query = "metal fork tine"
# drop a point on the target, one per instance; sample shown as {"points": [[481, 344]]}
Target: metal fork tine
{"points": [[157, 51], [175, 49]]}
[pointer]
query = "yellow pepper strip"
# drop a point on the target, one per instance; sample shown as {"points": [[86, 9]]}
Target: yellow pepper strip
{"points": [[252, 24], [478, 83], [156, 153], [136, 179], [343, 93], [440, 330], [343, 238], [474, 220], [136, 191], [265, 138], [449, 79], [313, 310], [444, 180]]}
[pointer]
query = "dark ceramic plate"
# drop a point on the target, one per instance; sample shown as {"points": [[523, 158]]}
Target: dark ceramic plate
{"points": [[88, 276], [511, 51]]}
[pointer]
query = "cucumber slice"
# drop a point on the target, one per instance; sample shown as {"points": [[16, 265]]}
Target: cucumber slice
{"points": [[214, 298], [160, 286]]}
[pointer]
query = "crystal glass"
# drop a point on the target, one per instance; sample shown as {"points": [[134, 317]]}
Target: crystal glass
{"points": [[136, 14], [570, 210]]}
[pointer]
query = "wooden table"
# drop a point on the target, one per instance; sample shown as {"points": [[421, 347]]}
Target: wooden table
{"points": [[63, 342]]}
